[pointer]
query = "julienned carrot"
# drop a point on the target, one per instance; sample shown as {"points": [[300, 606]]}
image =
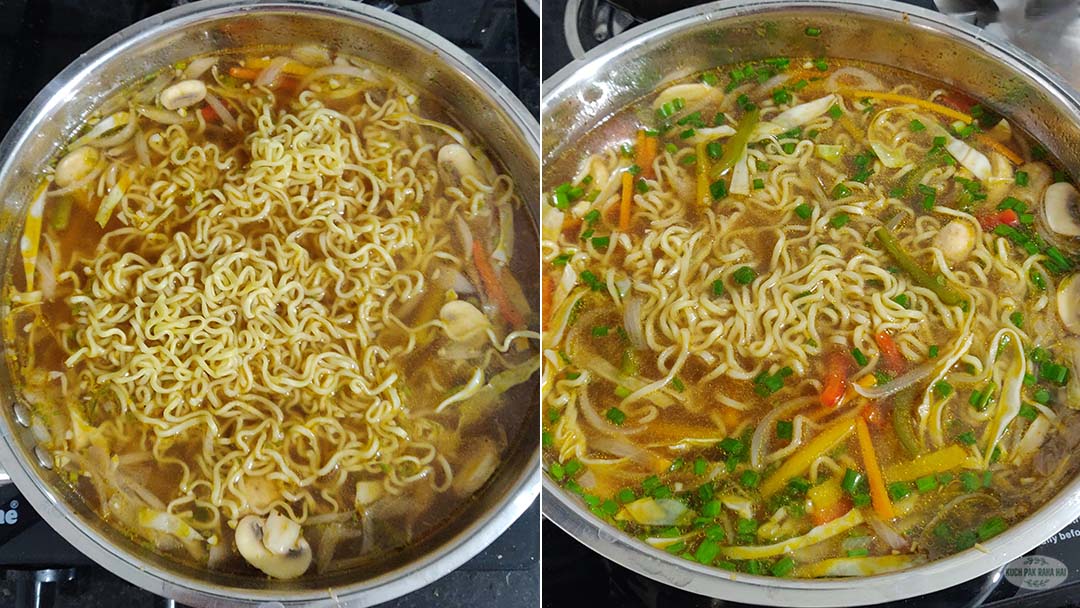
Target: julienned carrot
{"points": [[494, 288], [243, 73], [645, 153], [922, 103], [1001, 148], [627, 198], [879, 496], [894, 361], [835, 379], [548, 299]]}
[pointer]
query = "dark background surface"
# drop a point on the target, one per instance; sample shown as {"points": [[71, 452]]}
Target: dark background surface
{"points": [[38, 38], [575, 575]]}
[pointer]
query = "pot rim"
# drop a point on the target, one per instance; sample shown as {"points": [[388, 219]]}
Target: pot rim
{"points": [[455, 551], [571, 516]]}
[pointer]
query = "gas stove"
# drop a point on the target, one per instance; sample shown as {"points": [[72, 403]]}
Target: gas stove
{"points": [[1048, 576], [38, 38]]}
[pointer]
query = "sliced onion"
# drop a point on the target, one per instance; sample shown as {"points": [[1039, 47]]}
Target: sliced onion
{"points": [[198, 67], [101, 128], [141, 149], [46, 277], [222, 111], [157, 85], [897, 385], [164, 117], [624, 449], [117, 138], [270, 75], [888, 534], [863, 80], [632, 322], [337, 70], [464, 233]]}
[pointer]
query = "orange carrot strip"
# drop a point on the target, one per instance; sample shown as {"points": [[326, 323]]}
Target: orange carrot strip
{"points": [[494, 288], [835, 379], [243, 73], [894, 361], [627, 197], [1001, 148], [549, 298], [645, 153], [879, 496], [922, 103]]}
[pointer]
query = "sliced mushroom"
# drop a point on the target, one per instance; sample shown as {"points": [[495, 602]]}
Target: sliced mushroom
{"points": [[183, 94], [76, 165], [955, 240], [1068, 301], [456, 162], [464, 322], [1060, 206], [274, 545], [481, 464]]}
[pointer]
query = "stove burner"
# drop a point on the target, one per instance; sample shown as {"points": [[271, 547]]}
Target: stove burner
{"points": [[588, 23]]}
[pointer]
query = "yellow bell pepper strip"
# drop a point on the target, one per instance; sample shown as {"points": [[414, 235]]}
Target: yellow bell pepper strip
{"points": [[801, 460], [31, 238], [627, 199], [817, 534], [940, 461]]}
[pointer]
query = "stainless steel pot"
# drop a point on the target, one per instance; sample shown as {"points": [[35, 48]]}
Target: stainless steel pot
{"points": [[474, 97], [630, 66]]}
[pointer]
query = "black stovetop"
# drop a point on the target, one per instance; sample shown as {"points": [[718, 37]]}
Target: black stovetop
{"points": [[575, 575], [38, 38]]}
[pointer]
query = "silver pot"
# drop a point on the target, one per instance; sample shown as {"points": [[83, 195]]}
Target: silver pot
{"points": [[632, 65], [475, 98]]}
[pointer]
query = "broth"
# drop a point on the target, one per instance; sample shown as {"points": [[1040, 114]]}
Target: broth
{"points": [[270, 312], [810, 318]]}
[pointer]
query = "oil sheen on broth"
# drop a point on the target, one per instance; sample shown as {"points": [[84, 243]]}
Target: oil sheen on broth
{"points": [[269, 311], [810, 318]]}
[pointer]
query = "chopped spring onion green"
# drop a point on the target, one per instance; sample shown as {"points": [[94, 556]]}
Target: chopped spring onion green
{"points": [[851, 481], [744, 275], [750, 479], [813, 32], [804, 211], [784, 429], [839, 220], [859, 357], [943, 388], [926, 484], [1028, 412], [718, 287], [899, 490], [1022, 178], [600, 331], [840, 191]]}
